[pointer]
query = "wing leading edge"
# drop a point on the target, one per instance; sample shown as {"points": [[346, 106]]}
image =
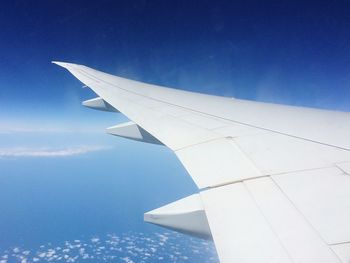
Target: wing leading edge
{"points": [[273, 180]]}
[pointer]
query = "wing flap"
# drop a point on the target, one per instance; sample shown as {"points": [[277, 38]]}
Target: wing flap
{"points": [[342, 251], [239, 229], [217, 162], [323, 197], [254, 221]]}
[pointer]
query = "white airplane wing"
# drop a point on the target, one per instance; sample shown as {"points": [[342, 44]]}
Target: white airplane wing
{"points": [[273, 180]]}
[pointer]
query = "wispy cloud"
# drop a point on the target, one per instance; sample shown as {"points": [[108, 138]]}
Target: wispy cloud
{"points": [[18, 126], [48, 152], [41, 130], [7, 130]]}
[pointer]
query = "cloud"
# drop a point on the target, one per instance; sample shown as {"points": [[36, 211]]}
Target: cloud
{"points": [[127, 248], [48, 152], [13, 123], [40, 130], [41, 126]]}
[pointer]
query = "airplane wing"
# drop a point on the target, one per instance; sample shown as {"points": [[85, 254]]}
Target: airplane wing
{"points": [[273, 180]]}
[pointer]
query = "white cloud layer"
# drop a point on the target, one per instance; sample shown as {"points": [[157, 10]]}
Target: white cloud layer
{"points": [[48, 152], [127, 248]]}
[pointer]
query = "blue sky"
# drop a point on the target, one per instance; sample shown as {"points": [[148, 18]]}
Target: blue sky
{"points": [[282, 51], [61, 176]]}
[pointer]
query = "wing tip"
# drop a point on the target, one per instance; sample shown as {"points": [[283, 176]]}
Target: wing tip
{"points": [[63, 64], [59, 63]]}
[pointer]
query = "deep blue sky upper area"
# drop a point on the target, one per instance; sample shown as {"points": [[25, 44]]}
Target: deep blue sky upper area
{"points": [[294, 52]]}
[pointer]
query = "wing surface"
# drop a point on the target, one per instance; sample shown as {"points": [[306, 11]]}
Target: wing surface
{"points": [[274, 180]]}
